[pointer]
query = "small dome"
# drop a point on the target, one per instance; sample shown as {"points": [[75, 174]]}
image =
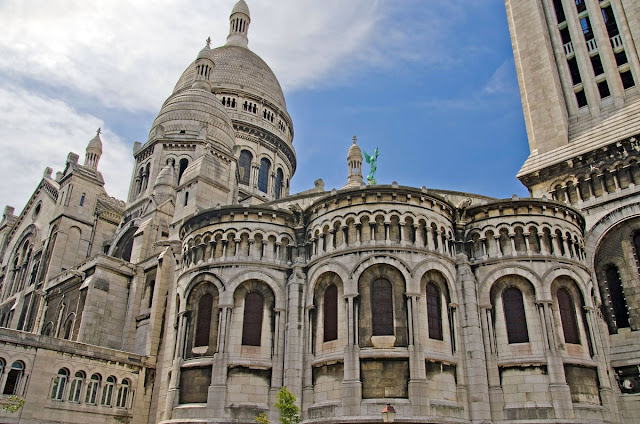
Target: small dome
{"points": [[205, 53], [195, 113], [241, 7], [354, 151], [95, 143]]}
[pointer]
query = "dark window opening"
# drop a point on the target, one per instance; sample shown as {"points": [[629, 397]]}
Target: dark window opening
{"points": [[13, 379], [557, 4], [575, 72], [627, 79], [183, 165], [434, 312], [621, 58], [566, 37], [67, 329], [263, 175], [252, 323], [603, 88], [581, 98], [186, 198], [279, 179], [616, 294], [244, 166], [330, 313], [514, 316], [610, 21], [203, 320], [382, 307], [585, 23], [568, 317], [596, 62], [581, 6]]}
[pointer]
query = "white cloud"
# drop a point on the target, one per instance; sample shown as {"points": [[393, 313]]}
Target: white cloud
{"points": [[37, 131], [501, 82]]}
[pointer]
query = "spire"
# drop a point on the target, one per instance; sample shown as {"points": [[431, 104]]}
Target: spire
{"points": [[354, 161], [239, 25], [94, 151]]}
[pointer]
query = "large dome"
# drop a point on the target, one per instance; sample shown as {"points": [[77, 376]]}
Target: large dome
{"points": [[191, 111], [239, 68]]}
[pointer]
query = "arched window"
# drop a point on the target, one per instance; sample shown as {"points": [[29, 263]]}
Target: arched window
{"points": [[382, 307], [244, 166], [183, 165], [59, 384], [434, 311], [76, 387], [14, 377], [568, 317], [123, 394], [68, 326], [330, 313], [252, 323], [92, 389], [107, 391], [514, 316], [263, 175], [616, 296], [46, 331], [279, 179], [203, 320]]}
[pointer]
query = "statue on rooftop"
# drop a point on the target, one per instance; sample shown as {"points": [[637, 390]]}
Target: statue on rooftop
{"points": [[371, 160]]}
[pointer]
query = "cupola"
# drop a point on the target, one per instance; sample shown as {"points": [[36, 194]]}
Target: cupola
{"points": [[94, 151], [354, 161], [239, 25], [204, 67]]}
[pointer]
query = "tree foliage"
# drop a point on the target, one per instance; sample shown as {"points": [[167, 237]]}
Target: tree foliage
{"points": [[12, 404], [286, 404], [262, 419]]}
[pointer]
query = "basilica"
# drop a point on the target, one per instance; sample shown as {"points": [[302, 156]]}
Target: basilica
{"points": [[212, 285]]}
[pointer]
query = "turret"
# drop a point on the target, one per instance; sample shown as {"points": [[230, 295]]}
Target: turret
{"points": [[204, 67], [239, 25], [354, 161], [94, 151]]}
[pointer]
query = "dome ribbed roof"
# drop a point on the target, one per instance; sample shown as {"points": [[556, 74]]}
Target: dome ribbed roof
{"points": [[354, 151], [239, 68], [241, 7], [95, 143], [200, 107]]}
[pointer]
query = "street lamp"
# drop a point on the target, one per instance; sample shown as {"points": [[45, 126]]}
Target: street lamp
{"points": [[388, 414]]}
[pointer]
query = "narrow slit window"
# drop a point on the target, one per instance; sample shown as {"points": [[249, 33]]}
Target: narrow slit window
{"points": [[514, 316]]}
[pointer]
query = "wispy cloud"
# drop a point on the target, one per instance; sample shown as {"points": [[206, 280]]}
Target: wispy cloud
{"points": [[37, 131], [502, 81]]}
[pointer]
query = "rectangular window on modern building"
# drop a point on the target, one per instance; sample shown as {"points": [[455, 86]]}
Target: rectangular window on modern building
{"points": [[581, 98], [575, 72], [566, 37], [603, 88], [581, 6], [627, 79], [597, 65]]}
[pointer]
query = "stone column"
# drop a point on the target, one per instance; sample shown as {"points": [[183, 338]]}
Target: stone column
{"points": [[217, 395], [418, 384], [351, 384], [293, 345], [173, 391], [496, 394], [473, 345]]}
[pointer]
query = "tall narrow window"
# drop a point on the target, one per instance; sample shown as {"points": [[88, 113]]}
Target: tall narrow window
{"points": [[330, 313], [82, 199], [203, 320], [92, 389], [434, 311], [568, 317], [183, 166], [263, 175], [14, 377], [610, 21], [123, 394], [76, 387], [586, 28], [557, 5], [279, 179], [382, 307], [616, 295], [59, 383], [244, 166], [252, 323], [581, 6], [514, 316], [575, 72], [627, 79], [107, 391]]}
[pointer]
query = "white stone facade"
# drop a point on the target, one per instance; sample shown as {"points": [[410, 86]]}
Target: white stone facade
{"points": [[213, 286]]}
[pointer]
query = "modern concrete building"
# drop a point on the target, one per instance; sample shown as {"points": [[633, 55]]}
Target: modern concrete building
{"points": [[213, 285]]}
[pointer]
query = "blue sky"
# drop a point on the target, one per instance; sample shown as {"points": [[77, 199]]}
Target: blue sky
{"points": [[431, 84]]}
